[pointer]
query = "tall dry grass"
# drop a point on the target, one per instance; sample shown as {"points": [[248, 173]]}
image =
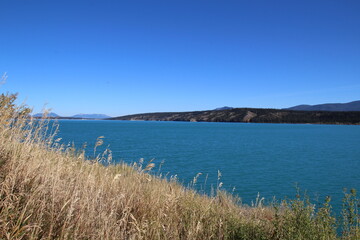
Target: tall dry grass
{"points": [[50, 191]]}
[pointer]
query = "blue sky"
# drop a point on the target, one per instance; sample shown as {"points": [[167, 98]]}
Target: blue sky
{"points": [[123, 57]]}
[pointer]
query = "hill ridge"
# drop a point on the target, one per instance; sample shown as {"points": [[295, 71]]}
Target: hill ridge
{"points": [[349, 106], [253, 115]]}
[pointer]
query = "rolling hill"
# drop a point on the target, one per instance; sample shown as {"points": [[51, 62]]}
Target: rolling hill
{"points": [[341, 107], [253, 115]]}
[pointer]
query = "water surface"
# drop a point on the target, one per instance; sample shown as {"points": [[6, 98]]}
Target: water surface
{"points": [[253, 158]]}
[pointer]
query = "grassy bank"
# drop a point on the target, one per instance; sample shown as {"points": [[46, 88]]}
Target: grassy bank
{"points": [[51, 191]]}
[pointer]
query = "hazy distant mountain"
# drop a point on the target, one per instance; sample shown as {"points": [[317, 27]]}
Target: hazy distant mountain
{"points": [[223, 108], [51, 115], [341, 107], [93, 116]]}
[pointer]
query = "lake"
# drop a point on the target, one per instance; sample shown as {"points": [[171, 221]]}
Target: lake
{"points": [[269, 159]]}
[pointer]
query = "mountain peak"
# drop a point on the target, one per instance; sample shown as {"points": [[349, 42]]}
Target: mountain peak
{"points": [[50, 114], [223, 108]]}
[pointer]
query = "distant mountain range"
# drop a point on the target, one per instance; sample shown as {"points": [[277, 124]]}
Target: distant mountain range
{"points": [[329, 113], [93, 116], [332, 107], [77, 116]]}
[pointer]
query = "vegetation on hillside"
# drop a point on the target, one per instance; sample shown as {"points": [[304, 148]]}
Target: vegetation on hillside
{"points": [[254, 115], [51, 191]]}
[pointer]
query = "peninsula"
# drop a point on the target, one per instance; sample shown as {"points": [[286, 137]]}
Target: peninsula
{"points": [[251, 115]]}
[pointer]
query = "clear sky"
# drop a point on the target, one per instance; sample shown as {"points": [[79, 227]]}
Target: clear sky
{"points": [[123, 57]]}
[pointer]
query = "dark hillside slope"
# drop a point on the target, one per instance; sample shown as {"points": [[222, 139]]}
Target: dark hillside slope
{"points": [[254, 115]]}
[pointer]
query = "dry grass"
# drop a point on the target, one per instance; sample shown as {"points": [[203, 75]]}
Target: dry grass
{"points": [[49, 191]]}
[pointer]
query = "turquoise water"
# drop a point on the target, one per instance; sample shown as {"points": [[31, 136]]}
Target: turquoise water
{"points": [[269, 159]]}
